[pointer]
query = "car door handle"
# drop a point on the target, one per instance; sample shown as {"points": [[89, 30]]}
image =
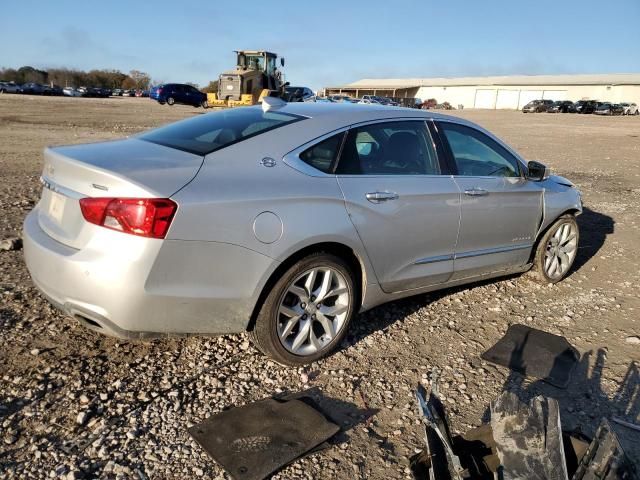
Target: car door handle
{"points": [[379, 197], [476, 192]]}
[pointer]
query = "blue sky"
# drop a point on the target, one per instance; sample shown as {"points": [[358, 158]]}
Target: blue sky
{"points": [[329, 42]]}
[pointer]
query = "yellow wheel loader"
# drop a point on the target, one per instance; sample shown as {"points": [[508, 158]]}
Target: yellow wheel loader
{"points": [[256, 75]]}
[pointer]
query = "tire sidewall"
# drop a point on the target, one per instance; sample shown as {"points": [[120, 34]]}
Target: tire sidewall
{"points": [[542, 248], [266, 322], [170, 101]]}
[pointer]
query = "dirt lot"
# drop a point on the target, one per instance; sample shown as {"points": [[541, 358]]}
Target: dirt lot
{"points": [[75, 404]]}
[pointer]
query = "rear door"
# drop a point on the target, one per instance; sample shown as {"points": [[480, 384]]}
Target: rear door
{"points": [[400, 200], [500, 209]]}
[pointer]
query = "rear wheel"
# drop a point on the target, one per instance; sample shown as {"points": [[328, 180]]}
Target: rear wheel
{"points": [[557, 250], [204, 104], [171, 101], [307, 312]]}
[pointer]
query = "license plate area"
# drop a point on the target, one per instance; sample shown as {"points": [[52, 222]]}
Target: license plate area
{"points": [[56, 206]]}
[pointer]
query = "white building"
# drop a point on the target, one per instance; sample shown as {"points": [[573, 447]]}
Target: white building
{"points": [[509, 92]]}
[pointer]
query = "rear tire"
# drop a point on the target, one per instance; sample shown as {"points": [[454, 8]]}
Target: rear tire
{"points": [[171, 101], [307, 312], [204, 104], [557, 250]]}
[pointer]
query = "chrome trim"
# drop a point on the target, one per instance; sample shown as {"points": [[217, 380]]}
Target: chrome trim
{"points": [[54, 187], [437, 258], [490, 251]]}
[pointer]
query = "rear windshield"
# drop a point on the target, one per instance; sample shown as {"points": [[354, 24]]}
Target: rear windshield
{"points": [[210, 132]]}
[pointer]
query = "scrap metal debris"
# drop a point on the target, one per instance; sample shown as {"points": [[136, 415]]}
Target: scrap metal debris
{"points": [[528, 438], [521, 442]]}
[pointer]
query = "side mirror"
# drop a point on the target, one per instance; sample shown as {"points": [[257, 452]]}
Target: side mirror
{"points": [[282, 61], [537, 171]]}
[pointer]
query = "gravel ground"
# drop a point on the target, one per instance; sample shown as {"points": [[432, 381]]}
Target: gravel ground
{"points": [[75, 404]]}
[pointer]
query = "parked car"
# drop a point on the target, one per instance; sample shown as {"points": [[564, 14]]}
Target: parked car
{"points": [[537, 106], [372, 99], [562, 106], [342, 99], [71, 92], [299, 94], [171, 93], [9, 87], [630, 108], [606, 108], [33, 88], [204, 226], [116, 92], [585, 106]]}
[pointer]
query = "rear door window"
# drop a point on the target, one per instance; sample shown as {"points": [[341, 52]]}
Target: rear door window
{"points": [[389, 148], [207, 133]]}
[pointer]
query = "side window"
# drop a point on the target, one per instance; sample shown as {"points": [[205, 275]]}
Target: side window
{"points": [[322, 155], [477, 155], [391, 148]]}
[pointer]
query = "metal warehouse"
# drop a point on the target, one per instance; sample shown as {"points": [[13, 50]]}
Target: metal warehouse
{"points": [[505, 92]]}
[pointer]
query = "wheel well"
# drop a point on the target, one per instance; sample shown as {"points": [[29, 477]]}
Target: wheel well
{"points": [[571, 211], [338, 249]]}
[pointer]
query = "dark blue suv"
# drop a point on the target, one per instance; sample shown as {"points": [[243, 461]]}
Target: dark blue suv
{"points": [[171, 93]]}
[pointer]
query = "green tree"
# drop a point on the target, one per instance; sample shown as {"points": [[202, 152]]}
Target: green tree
{"points": [[212, 87]]}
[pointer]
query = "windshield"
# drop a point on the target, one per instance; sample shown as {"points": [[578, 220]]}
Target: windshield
{"points": [[207, 133], [255, 62]]}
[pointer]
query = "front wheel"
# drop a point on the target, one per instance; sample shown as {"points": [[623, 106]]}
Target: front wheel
{"points": [[171, 101], [307, 312], [204, 104], [557, 249]]}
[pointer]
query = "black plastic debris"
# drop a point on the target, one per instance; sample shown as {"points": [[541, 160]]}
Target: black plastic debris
{"points": [[253, 441], [533, 352]]}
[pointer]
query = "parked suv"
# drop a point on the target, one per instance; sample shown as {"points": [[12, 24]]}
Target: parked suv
{"points": [[586, 106], [171, 93], [536, 106], [630, 108], [562, 106]]}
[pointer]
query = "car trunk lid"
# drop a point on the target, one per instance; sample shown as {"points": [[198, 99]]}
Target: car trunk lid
{"points": [[130, 168]]}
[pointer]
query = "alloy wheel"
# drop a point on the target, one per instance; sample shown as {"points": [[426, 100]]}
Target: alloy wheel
{"points": [[561, 250], [313, 310]]}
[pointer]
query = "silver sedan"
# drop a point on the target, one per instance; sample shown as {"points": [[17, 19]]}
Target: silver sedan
{"points": [[286, 220]]}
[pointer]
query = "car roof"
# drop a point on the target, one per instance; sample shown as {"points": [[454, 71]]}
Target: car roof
{"points": [[349, 113]]}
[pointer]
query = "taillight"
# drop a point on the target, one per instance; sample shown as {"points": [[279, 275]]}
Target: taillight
{"points": [[146, 217]]}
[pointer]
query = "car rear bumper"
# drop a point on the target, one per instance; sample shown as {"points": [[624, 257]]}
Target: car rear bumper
{"points": [[139, 287]]}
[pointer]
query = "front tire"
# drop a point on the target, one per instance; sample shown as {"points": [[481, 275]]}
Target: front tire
{"points": [[556, 251], [171, 101], [204, 104], [308, 310]]}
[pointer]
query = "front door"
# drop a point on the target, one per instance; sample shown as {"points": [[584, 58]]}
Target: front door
{"points": [[500, 209], [404, 209]]}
